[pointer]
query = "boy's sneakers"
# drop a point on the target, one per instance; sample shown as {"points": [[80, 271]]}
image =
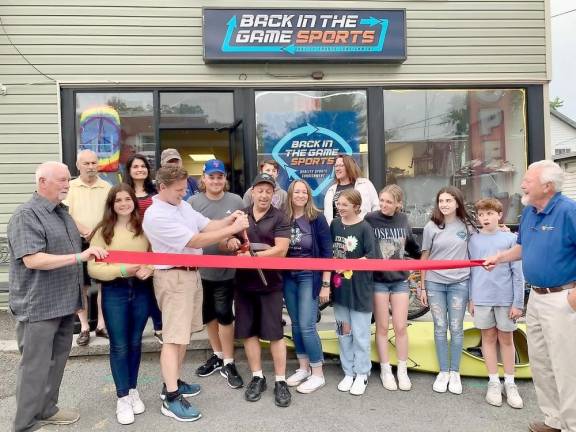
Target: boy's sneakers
{"points": [[346, 384], [388, 380], [231, 374], [185, 389], [494, 393], [359, 386], [298, 377], [180, 409], [512, 396], [313, 383], [138, 406], [124, 412], [213, 364], [441, 383], [255, 389], [282, 396], [455, 385]]}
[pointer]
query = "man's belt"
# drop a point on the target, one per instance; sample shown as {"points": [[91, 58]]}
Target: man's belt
{"points": [[543, 290], [183, 268]]}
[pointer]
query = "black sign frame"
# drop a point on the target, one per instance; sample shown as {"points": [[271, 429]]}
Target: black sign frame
{"points": [[218, 46]]}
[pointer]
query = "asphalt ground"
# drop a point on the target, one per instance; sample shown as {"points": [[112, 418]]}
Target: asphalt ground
{"points": [[88, 385]]}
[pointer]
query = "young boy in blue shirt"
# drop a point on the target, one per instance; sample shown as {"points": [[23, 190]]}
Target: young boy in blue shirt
{"points": [[496, 301]]}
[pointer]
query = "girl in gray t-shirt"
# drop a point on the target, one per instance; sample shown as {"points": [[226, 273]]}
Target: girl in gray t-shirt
{"points": [[446, 291]]}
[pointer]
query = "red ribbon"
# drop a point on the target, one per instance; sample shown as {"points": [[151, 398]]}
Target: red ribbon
{"points": [[268, 263]]}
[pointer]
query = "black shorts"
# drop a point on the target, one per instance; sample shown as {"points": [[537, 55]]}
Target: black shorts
{"points": [[86, 276], [259, 314], [217, 302]]}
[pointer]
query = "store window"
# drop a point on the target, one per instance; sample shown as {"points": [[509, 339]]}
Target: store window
{"points": [[472, 139], [196, 109], [304, 131], [116, 126]]}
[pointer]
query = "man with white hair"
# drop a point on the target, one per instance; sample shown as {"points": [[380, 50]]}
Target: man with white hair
{"points": [[547, 247], [44, 294], [85, 201]]}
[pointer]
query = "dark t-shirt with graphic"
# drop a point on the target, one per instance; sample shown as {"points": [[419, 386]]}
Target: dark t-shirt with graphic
{"points": [[353, 242], [300, 238], [339, 189]]}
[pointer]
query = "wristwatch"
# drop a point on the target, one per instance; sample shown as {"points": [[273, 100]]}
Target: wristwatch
{"points": [[325, 284]]}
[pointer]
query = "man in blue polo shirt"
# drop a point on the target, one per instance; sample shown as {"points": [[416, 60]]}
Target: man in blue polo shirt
{"points": [[547, 247]]}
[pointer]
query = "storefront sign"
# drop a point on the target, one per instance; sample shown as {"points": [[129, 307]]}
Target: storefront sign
{"points": [[304, 34], [309, 150]]}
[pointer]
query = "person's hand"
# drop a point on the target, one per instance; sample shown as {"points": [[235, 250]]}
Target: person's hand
{"points": [[93, 252], [324, 296], [471, 308], [247, 253], [143, 273], [571, 297], [424, 297], [490, 262], [503, 228], [233, 244], [132, 269], [232, 217], [241, 223], [514, 313]]}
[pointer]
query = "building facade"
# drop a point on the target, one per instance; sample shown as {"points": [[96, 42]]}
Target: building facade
{"points": [[463, 105]]}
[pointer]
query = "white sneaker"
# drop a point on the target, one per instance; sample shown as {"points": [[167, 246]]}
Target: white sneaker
{"points": [[124, 413], [455, 385], [359, 386], [404, 382], [313, 383], [346, 383], [512, 396], [298, 377], [494, 393], [441, 382], [388, 380], [138, 406]]}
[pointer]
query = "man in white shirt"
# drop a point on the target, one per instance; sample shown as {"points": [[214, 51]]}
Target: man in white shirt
{"points": [[172, 226]]}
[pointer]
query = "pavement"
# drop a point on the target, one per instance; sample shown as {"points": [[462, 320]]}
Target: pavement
{"points": [[88, 385]]}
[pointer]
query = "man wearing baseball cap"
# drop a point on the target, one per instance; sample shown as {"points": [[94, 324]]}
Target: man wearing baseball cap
{"points": [[214, 202], [172, 156], [258, 297]]}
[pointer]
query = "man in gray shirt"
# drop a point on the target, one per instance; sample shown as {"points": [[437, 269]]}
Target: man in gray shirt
{"points": [[44, 294], [218, 284]]}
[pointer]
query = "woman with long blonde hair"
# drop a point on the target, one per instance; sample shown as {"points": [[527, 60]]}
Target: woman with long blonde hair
{"points": [[310, 238]]}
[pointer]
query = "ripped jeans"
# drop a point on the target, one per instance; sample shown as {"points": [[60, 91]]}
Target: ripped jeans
{"points": [[448, 304], [354, 345]]}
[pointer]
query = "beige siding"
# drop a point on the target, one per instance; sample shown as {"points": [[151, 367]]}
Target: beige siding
{"points": [[153, 42]]}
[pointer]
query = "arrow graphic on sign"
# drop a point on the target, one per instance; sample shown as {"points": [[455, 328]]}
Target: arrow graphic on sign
{"points": [[292, 48]]}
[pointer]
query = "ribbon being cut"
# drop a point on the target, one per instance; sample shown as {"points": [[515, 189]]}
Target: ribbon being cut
{"points": [[268, 263]]}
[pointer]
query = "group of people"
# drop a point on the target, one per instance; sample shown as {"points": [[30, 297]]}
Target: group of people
{"points": [[357, 223]]}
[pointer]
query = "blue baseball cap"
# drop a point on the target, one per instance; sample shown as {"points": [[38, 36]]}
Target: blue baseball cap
{"points": [[214, 166]]}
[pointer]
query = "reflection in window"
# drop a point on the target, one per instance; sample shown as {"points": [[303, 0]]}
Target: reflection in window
{"points": [[305, 130], [115, 126], [195, 109], [472, 139]]}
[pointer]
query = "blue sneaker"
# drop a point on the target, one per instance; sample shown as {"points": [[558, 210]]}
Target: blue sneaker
{"points": [[180, 409], [184, 388]]}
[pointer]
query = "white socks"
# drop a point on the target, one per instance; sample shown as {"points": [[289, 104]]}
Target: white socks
{"points": [[508, 379], [494, 378], [258, 374]]}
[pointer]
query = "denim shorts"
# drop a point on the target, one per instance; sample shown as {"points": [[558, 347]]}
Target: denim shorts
{"points": [[399, 287]]}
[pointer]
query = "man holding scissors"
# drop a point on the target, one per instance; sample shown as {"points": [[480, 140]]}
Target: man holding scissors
{"points": [[258, 295]]}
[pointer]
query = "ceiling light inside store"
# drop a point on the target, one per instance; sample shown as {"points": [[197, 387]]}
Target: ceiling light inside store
{"points": [[363, 148], [202, 157]]}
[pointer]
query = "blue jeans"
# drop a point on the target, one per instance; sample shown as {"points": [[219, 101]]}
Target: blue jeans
{"points": [[126, 308], [303, 309], [448, 304], [355, 345]]}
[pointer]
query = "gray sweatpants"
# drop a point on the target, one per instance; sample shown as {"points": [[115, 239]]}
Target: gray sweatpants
{"points": [[45, 346]]}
